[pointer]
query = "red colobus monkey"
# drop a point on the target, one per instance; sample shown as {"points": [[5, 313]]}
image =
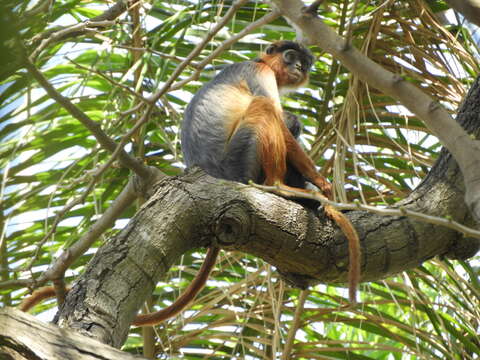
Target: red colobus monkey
{"points": [[235, 129]]}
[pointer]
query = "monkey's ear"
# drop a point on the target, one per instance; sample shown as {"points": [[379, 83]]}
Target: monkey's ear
{"points": [[270, 49]]}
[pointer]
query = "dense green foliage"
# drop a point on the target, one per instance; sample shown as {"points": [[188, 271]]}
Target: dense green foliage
{"points": [[47, 159]]}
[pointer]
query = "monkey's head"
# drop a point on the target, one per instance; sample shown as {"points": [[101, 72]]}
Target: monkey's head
{"points": [[290, 61]]}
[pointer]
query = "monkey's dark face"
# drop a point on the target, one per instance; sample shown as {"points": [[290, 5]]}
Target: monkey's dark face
{"points": [[295, 59]]}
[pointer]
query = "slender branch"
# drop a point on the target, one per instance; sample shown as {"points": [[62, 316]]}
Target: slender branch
{"points": [[110, 80], [61, 34], [112, 213], [198, 49], [94, 178], [348, 35], [16, 284], [41, 7], [447, 222], [104, 140], [59, 216], [110, 14], [201, 65], [158, 53], [106, 221], [287, 350], [223, 46]]}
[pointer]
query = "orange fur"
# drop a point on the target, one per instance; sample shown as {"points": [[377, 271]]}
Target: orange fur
{"points": [[354, 250], [263, 117], [187, 296]]}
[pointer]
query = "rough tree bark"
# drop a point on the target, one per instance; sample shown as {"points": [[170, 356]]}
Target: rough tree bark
{"points": [[195, 210]]}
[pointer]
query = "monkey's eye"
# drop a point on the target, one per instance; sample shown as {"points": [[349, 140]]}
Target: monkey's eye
{"points": [[270, 49], [290, 56]]}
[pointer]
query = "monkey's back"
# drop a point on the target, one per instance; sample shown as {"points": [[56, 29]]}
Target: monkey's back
{"points": [[213, 114]]}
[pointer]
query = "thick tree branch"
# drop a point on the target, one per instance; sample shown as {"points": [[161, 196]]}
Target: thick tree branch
{"points": [[464, 148], [400, 211], [197, 210]]}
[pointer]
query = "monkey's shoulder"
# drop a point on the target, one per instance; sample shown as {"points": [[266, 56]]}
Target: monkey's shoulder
{"points": [[252, 75]]}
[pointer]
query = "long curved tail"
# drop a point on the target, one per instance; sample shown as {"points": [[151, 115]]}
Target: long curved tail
{"points": [[354, 250]]}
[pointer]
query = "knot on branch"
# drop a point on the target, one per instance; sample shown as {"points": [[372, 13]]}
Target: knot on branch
{"points": [[143, 185], [233, 226]]}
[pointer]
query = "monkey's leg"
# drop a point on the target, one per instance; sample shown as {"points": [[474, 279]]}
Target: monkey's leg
{"points": [[293, 177], [240, 162], [267, 122], [256, 150], [302, 162]]}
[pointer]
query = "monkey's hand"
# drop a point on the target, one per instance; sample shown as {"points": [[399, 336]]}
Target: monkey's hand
{"points": [[324, 186]]}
